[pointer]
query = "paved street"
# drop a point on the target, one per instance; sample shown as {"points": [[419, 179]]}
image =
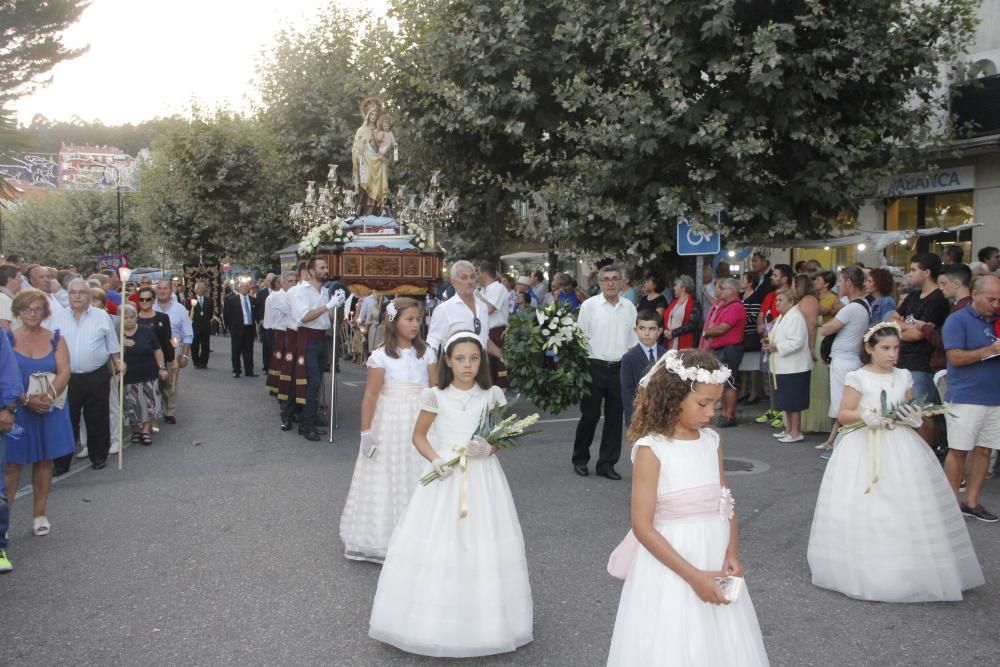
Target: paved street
{"points": [[219, 546]]}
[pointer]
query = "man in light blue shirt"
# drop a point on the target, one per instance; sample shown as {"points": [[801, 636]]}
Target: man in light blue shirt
{"points": [[181, 335]]}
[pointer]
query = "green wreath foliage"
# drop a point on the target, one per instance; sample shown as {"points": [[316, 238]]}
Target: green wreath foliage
{"points": [[554, 382]]}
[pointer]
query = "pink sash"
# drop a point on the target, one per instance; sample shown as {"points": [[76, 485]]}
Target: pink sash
{"points": [[698, 502]]}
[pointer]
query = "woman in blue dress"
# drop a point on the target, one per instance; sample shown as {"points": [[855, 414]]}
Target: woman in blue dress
{"points": [[47, 433]]}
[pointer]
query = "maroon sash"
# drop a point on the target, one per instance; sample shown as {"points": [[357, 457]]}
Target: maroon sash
{"points": [[274, 366], [496, 335], [304, 336], [286, 372]]}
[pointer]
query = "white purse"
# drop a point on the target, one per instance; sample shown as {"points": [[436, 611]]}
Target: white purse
{"points": [[42, 384]]}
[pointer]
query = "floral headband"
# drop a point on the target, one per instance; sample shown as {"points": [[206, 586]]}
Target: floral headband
{"points": [[879, 327], [672, 362], [391, 311]]}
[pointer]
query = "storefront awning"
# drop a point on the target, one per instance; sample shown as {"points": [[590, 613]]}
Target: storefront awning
{"points": [[878, 240]]}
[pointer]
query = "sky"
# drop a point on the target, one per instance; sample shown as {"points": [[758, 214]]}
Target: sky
{"points": [[150, 58]]}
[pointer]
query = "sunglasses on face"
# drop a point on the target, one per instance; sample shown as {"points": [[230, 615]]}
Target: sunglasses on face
{"points": [[144, 299]]}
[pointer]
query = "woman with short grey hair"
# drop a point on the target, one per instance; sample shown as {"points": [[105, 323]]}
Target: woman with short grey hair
{"points": [[682, 318]]}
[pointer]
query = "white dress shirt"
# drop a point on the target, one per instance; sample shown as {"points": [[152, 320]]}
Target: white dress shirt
{"points": [[498, 297], [180, 323], [304, 297], [91, 340], [54, 309], [276, 311], [453, 316], [610, 328]]}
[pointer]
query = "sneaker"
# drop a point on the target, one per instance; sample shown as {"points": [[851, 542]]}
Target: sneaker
{"points": [[979, 512], [779, 422], [826, 456], [5, 564], [779, 434], [766, 417], [84, 453]]}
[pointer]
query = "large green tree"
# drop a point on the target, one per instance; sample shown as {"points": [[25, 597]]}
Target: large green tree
{"points": [[213, 186], [614, 120]]}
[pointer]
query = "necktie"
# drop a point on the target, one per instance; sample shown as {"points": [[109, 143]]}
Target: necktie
{"points": [[201, 302], [652, 357], [246, 310]]}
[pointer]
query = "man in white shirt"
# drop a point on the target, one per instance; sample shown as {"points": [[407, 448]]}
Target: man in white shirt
{"points": [[310, 308], [10, 285], [497, 301], [609, 322], [38, 277], [276, 321], [462, 312], [181, 335], [92, 341]]}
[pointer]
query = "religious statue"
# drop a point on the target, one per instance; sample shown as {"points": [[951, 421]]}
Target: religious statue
{"points": [[373, 149]]}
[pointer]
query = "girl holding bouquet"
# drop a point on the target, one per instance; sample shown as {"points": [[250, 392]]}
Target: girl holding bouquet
{"points": [[388, 467], [455, 579], [683, 544], [886, 525]]}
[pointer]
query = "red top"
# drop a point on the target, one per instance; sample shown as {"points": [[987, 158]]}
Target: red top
{"points": [[733, 314]]}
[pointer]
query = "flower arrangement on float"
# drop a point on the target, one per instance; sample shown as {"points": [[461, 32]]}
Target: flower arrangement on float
{"points": [[546, 356], [328, 232], [419, 236]]}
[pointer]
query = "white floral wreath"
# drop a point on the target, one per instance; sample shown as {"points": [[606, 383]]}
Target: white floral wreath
{"points": [[882, 325], [672, 362]]}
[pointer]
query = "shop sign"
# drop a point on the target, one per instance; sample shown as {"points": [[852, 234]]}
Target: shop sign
{"points": [[920, 183]]}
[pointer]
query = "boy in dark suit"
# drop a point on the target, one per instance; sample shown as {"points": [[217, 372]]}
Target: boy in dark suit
{"points": [[637, 360]]}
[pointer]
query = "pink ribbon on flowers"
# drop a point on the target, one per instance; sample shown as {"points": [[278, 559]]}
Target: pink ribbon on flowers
{"points": [[699, 502]]}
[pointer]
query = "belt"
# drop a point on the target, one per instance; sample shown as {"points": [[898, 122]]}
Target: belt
{"points": [[102, 367], [605, 364]]}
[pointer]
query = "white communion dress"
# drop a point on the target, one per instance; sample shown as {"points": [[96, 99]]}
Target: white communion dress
{"points": [[450, 586], [661, 620], [887, 526], [382, 485]]}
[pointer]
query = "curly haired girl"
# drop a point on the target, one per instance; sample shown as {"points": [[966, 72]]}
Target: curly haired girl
{"points": [[682, 601]]}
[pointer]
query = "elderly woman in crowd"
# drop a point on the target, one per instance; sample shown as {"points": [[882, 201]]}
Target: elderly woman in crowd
{"points": [[879, 286], [791, 361], [682, 318], [47, 433], [144, 365]]}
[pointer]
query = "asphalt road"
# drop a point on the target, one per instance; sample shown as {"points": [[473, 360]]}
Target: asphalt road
{"points": [[226, 552]]}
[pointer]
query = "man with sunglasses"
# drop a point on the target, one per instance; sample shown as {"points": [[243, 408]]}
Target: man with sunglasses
{"points": [[462, 312]]}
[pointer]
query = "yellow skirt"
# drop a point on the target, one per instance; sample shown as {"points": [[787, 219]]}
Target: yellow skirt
{"points": [[815, 419]]}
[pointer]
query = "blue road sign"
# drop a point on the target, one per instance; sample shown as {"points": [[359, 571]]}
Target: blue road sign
{"points": [[694, 242]]}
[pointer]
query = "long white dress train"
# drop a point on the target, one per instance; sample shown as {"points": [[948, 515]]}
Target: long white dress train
{"points": [[887, 526], [450, 586]]}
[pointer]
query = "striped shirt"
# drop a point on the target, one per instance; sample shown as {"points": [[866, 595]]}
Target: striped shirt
{"points": [[91, 338]]}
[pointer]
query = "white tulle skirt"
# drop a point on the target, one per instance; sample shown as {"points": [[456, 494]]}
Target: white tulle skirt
{"points": [[903, 541], [455, 587], [381, 486], [662, 621]]}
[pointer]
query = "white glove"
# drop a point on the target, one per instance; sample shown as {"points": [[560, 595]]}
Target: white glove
{"points": [[369, 443], [477, 448], [336, 301], [911, 415], [441, 469], [873, 419]]}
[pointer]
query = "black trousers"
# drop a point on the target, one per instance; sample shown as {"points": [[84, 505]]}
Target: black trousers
{"points": [[241, 345], [88, 394], [265, 343], [606, 389], [200, 347]]}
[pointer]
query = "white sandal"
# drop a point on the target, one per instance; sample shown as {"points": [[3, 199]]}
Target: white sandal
{"points": [[41, 526]]}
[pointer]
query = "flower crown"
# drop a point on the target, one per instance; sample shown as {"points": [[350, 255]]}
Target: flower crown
{"points": [[391, 311], [672, 362], [880, 326]]}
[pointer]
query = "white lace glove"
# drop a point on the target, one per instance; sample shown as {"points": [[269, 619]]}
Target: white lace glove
{"points": [[911, 415], [336, 301], [477, 448], [873, 419], [441, 469], [369, 443]]}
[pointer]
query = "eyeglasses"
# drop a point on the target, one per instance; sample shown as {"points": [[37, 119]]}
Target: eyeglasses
{"points": [[477, 324], [144, 299], [38, 310]]}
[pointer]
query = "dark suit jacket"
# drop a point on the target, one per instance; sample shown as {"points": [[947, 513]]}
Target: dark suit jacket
{"points": [[232, 315], [201, 316], [258, 309], [635, 363]]}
